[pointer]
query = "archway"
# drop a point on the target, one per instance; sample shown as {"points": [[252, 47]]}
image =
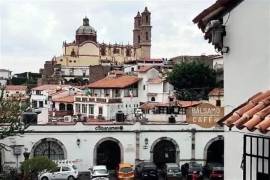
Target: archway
{"points": [[214, 151], [109, 152], [164, 150], [50, 147]]}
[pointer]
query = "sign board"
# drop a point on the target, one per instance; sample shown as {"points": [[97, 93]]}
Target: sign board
{"points": [[205, 115], [109, 128], [17, 150]]}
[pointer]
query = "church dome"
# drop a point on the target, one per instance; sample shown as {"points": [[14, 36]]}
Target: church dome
{"points": [[86, 29], [86, 33]]}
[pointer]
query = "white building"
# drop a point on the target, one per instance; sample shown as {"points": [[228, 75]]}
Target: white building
{"points": [[15, 91], [71, 72], [90, 144], [153, 87], [42, 96], [5, 75], [246, 52], [106, 97]]}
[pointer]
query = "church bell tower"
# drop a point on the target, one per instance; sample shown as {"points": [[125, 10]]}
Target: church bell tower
{"points": [[142, 33]]}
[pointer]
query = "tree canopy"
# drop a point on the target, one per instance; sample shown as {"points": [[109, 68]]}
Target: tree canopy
{"points": [[192, 81], [35, 165], [11, 122]]}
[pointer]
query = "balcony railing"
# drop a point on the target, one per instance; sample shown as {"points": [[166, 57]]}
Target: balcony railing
{"points": [[98, 99]]}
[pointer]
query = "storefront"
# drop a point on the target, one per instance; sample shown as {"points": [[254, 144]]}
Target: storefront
{"points": [[87, 145]]}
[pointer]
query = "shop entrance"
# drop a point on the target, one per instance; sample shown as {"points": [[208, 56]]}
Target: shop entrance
{"points": [[109, 154], [164, 152]]}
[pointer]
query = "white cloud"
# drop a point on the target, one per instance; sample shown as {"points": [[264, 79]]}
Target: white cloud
{"points": [[33, 31]]}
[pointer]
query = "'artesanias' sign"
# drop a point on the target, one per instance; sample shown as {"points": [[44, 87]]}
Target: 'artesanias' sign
{"points": [[205, 115]]}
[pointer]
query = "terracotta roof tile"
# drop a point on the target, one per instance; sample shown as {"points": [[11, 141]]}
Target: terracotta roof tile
{"points": [[66, 99], [253, 114], [16, 87], [216, 10], [156, 80], [216, 92], [49, 87], [144, 69], [114, 82]]}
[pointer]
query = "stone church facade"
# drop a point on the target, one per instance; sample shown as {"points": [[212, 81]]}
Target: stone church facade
{"points": [[86, 51]]}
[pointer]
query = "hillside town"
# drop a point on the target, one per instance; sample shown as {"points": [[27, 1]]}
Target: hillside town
{"points": [[112, 111]]}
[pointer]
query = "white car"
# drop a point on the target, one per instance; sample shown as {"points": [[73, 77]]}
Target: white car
{"points": [[62, 172], [99, 173]]}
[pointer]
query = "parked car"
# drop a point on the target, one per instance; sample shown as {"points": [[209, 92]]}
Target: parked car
{"points": [[125, 171], [217, 173], [195, 171], [172, 171], [99, 173], [63, 172], [146, 170]]}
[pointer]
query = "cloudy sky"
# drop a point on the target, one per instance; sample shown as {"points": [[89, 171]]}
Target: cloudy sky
{"points": [[32, 31]]}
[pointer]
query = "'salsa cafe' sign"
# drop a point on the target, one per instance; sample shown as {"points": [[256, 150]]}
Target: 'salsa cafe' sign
{"points": [[205, 115]]}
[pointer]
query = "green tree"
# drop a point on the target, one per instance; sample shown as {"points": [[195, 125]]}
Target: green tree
{"points": [[11, 122], [192, 81], [32, 167]]}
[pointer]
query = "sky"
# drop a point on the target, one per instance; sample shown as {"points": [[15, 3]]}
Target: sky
{"points": [[33, 31]]}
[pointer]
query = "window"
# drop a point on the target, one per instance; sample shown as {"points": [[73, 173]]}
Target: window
{"points": [[116, 51], [146, 36], [139, 39], [91, 109], [46, 102], [153, 99], [100, 110], [74, 61], [34, 104], [61, 60], [117, 93], [78, 108], [84, 108], [50, 148], [38, 92], [103, 51], [64, 168], [41, 104], [143, 87], [128, 52], [62, 107], [218, 102], [146, 19], [132, 69], [73, 54], [107, 92], [70, 61]]}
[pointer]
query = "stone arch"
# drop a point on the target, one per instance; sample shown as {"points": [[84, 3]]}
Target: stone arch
{"points": [[104, 140], [209, 143], [177, 150], [54, 141]]}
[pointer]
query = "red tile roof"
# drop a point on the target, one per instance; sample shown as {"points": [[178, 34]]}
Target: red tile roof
{"points": [[114, 82], [216, 92], [156, 80], [49, 87], [253, 114], [218, 9], [143, 69], [185, 104], [16, 88], [66, 99]]}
